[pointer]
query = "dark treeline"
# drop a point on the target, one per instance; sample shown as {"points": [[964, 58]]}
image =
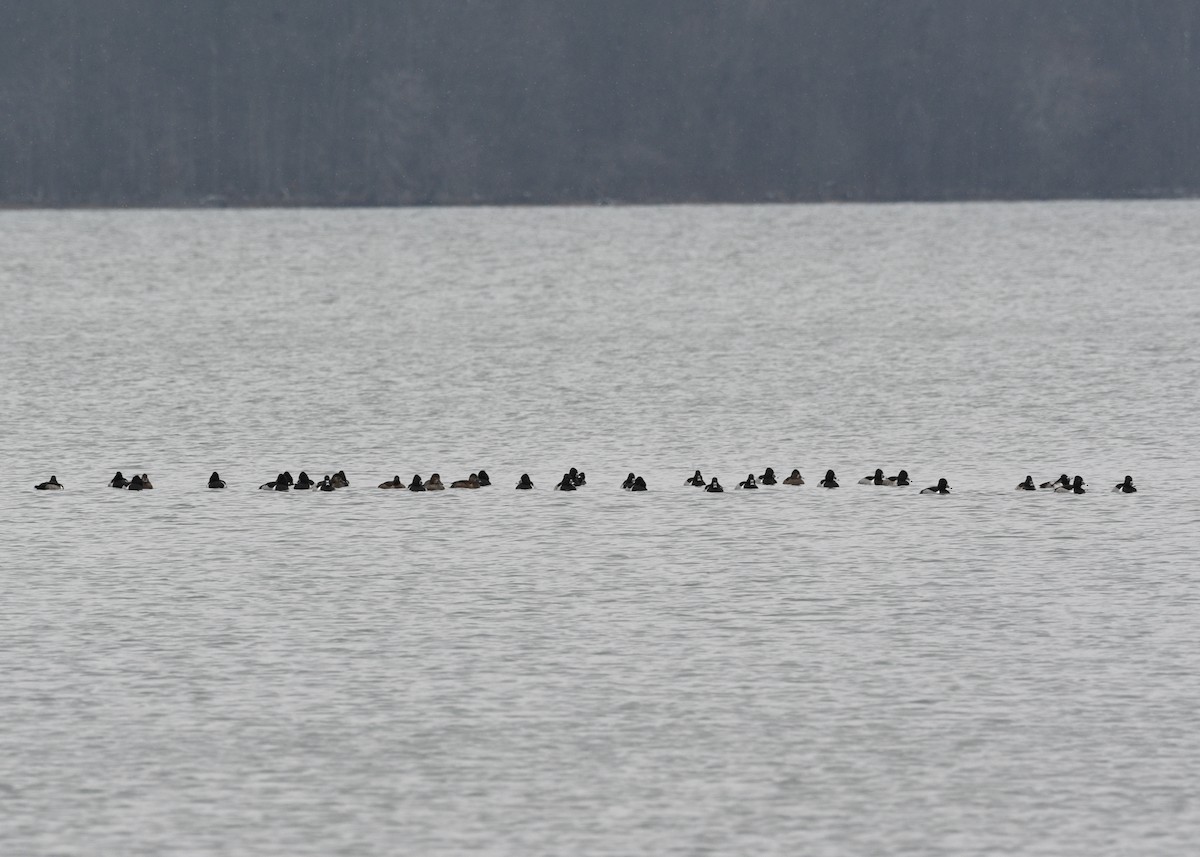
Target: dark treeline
{"points": [[177, 102]]}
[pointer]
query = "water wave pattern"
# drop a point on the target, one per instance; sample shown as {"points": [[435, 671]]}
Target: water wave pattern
{"points": [[785, 671]]}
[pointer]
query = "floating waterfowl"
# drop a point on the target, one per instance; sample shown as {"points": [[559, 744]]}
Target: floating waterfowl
{"points": [[524, 483], [1027, 485], [416, 484], [696, 480], [943, 487], [146, 486], [628, 483], [434, 483], [215, 481], [899, 480], [794, 479], [303, 482], [1064, 481], [748, 483], [471, 481], [768, 477], [394, 482], [50, 484], [567, 483], [714, 487], [830, 480], [135, 484], [339, 480], [484, 479], [639, 484], [877, 479], [1125, 487], [118, 481], [1076, 487]]}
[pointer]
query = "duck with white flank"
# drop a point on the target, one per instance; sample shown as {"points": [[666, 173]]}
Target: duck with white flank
{"points": [[1064, 481], [50, 484], [749, 483], [714, 487], [877, 479], [899, 480], [943, 487], [567, 483], [697, 480], [1027, 485], [1125, 487]]}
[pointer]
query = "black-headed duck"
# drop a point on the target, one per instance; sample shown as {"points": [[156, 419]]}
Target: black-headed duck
{"points": [[1027, 485], [830, 480], [696, 480], [639, 484], [524, 484], [567, 483], [877, 479], [135, 484], [484, 479], [1125, 487], [768, 477], [215, 481], [899, 480], [714, 487], [118, 481], [749, 482], [416, 484], [50, 484], [628, 483], [943, 487], [1076, 487], [303, 482], [1063, 480]]}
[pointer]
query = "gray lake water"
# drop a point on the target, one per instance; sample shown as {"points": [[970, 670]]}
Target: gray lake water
{"points": [[789, 671]]}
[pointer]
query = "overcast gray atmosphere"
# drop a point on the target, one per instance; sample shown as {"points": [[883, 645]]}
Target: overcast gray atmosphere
{"points": [[313, 102], [599, 429]]}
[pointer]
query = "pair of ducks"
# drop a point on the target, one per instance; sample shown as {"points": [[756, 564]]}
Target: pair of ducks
{"points": [[899, 480], [634, 483], [571, 480], [137, 483]]}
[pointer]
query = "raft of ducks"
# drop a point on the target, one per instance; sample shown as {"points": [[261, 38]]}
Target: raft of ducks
{"points": [[574, 479]]}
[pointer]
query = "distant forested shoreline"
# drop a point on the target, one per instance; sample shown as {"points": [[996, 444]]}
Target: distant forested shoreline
{"points": [[458, 102]]}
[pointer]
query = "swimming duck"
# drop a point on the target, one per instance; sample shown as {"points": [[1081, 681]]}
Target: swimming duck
{"points": [[284, 481], [339, 480], [1125, 487], [794, 479], [628, 483], [484, 479], [578, 478], [471, 481], [567, 483], [1027, 485], [768, 477], [899, 480], [327, 484], [303, 482], [1075, 487], [696, 480], [215, 481], [146, 482], [135, 484], [416, 484], [749, 483], [877, 479], [830, 480], [50, 485], [524, 484], [714, 487], [1063, 480], [943, 487], [394, 482], [639, 484], [434, 483], [118, 481]]}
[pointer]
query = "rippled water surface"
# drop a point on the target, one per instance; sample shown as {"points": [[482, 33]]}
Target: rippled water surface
{"points": [[787, 671]]}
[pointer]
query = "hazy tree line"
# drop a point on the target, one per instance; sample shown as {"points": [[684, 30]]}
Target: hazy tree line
{"points": [[458, 101]]}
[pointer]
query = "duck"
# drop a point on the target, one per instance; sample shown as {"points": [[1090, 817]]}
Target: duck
{"points": [[434, 483], [639, 484], [943, 487], [1027, 485], [899, 480], [394, 482], [303, 482], [339, 480], [628, 483], [484, 479], [830, 480], [471, 481], [118, 481], [578, 477], [1063, 480], [284, 481], [1125, 487], [215, 481], [327, 484], [1076, 487], [50, 484], [696, 480], [146, 482], [524, 483], [877, 479], [416, 484], [135, 484], [714, 487], [270, 486], [768, 477], [794, 479], [567, 483], [749, 483]]}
